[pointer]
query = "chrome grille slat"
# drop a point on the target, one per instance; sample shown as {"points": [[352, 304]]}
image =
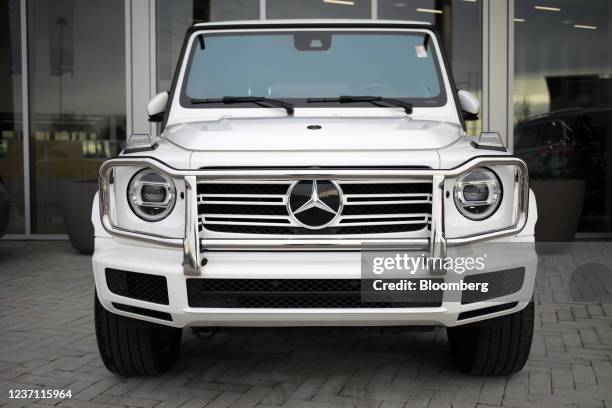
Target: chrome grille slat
{"points": [[375, 216], [280, 197], [361, 224], [269, 224], [387, 195], [257, 208], [240, 202], [388, 202], [245, 216]]}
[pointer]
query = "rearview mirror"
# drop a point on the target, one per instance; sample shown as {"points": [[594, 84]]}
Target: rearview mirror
{"points": [[470, 105], [157, 107]]}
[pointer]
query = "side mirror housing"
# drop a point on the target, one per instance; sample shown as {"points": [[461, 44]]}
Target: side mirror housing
{"points": [[157, 107], [470, 105]]}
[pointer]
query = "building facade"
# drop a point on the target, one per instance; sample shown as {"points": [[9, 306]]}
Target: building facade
{"points": [[75, 76]]}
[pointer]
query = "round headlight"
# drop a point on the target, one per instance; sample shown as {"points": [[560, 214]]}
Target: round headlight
{"points": [[478, 194], [151, 195]]}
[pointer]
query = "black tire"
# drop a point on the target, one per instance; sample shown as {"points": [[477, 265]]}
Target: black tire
{"points": [[499, 346], [130, 347]]}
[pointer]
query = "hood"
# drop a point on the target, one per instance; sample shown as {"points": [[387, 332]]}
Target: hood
{"points": [[332, 142], [313, 134]]}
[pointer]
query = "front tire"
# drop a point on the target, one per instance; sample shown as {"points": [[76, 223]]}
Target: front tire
{"points": [[497, 347], [129, 347]]}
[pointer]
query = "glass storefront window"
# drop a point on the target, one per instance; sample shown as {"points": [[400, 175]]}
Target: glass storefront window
{"points": [[460, 26], [76, 75], [77, 97], [11, 130], [174, 17], [318, 9], [563, 103]]}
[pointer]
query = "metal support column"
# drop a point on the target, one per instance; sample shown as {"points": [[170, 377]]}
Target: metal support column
{"points": [[498, 57], [140, 63]]}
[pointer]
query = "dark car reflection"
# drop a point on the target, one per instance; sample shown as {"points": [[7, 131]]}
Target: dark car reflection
{"points": [[568, 144]]}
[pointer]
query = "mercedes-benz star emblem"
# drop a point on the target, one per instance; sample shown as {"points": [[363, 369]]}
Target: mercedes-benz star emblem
{"points": [[314, 204]]}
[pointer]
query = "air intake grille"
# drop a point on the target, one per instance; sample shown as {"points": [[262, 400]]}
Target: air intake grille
{"points": [[288, 293], [369, 207], [141, 286]]}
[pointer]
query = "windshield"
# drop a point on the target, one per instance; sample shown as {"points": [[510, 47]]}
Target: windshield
{"points": [[297, 65]]}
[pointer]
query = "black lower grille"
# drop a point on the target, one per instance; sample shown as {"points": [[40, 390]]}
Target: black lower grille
{"points": [[287, 293], [353, 229], [141, 286], [499, 283]]}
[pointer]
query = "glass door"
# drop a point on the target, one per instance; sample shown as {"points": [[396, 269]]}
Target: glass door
{"points": [[76, 75], [12, 216], [563, 102]]}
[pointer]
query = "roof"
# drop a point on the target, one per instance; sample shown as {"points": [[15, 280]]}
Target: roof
{"points": [[314, 22]]}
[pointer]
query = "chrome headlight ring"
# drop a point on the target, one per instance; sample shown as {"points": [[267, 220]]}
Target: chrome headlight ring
{"points": [[478, 194], [151, 195]]}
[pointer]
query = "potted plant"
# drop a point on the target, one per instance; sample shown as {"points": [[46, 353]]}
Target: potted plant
{"points": [[559, 208], [76, 198]]}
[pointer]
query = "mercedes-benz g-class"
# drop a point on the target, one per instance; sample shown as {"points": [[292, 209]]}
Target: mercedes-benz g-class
{"points": [[298, 163]]}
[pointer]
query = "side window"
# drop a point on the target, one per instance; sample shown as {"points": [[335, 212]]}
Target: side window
{"points": [[554, 133], [529, 135]]}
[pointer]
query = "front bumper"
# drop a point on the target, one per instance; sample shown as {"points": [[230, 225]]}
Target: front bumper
{"points": [[156, 260], [180, 259]]}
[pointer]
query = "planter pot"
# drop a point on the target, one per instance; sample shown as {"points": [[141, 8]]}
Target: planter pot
{"points": [[559, 209], [76, 199], [5, 210]]}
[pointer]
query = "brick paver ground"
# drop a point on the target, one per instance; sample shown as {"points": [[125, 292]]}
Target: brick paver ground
{"points": [[47, 340]]}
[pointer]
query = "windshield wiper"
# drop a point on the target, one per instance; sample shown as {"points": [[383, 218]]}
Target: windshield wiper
{"points": [[371, 99], [258, 100]]}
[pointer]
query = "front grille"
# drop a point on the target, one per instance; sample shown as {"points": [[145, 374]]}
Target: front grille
{"points": [[260, 207], [290, 293], [141, 286]]}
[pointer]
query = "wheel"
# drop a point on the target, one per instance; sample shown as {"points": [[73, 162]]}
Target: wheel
{"points": [[500, 346], [133, 348]]}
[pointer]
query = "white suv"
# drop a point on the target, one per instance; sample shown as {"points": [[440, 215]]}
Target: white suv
{"points": [[298, 163]]}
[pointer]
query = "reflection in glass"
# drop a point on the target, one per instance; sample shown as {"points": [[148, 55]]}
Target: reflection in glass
{"points": [[11, 132], [563, 103], [174, 17], [460, 25], [318, 9], [77, 97]]}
